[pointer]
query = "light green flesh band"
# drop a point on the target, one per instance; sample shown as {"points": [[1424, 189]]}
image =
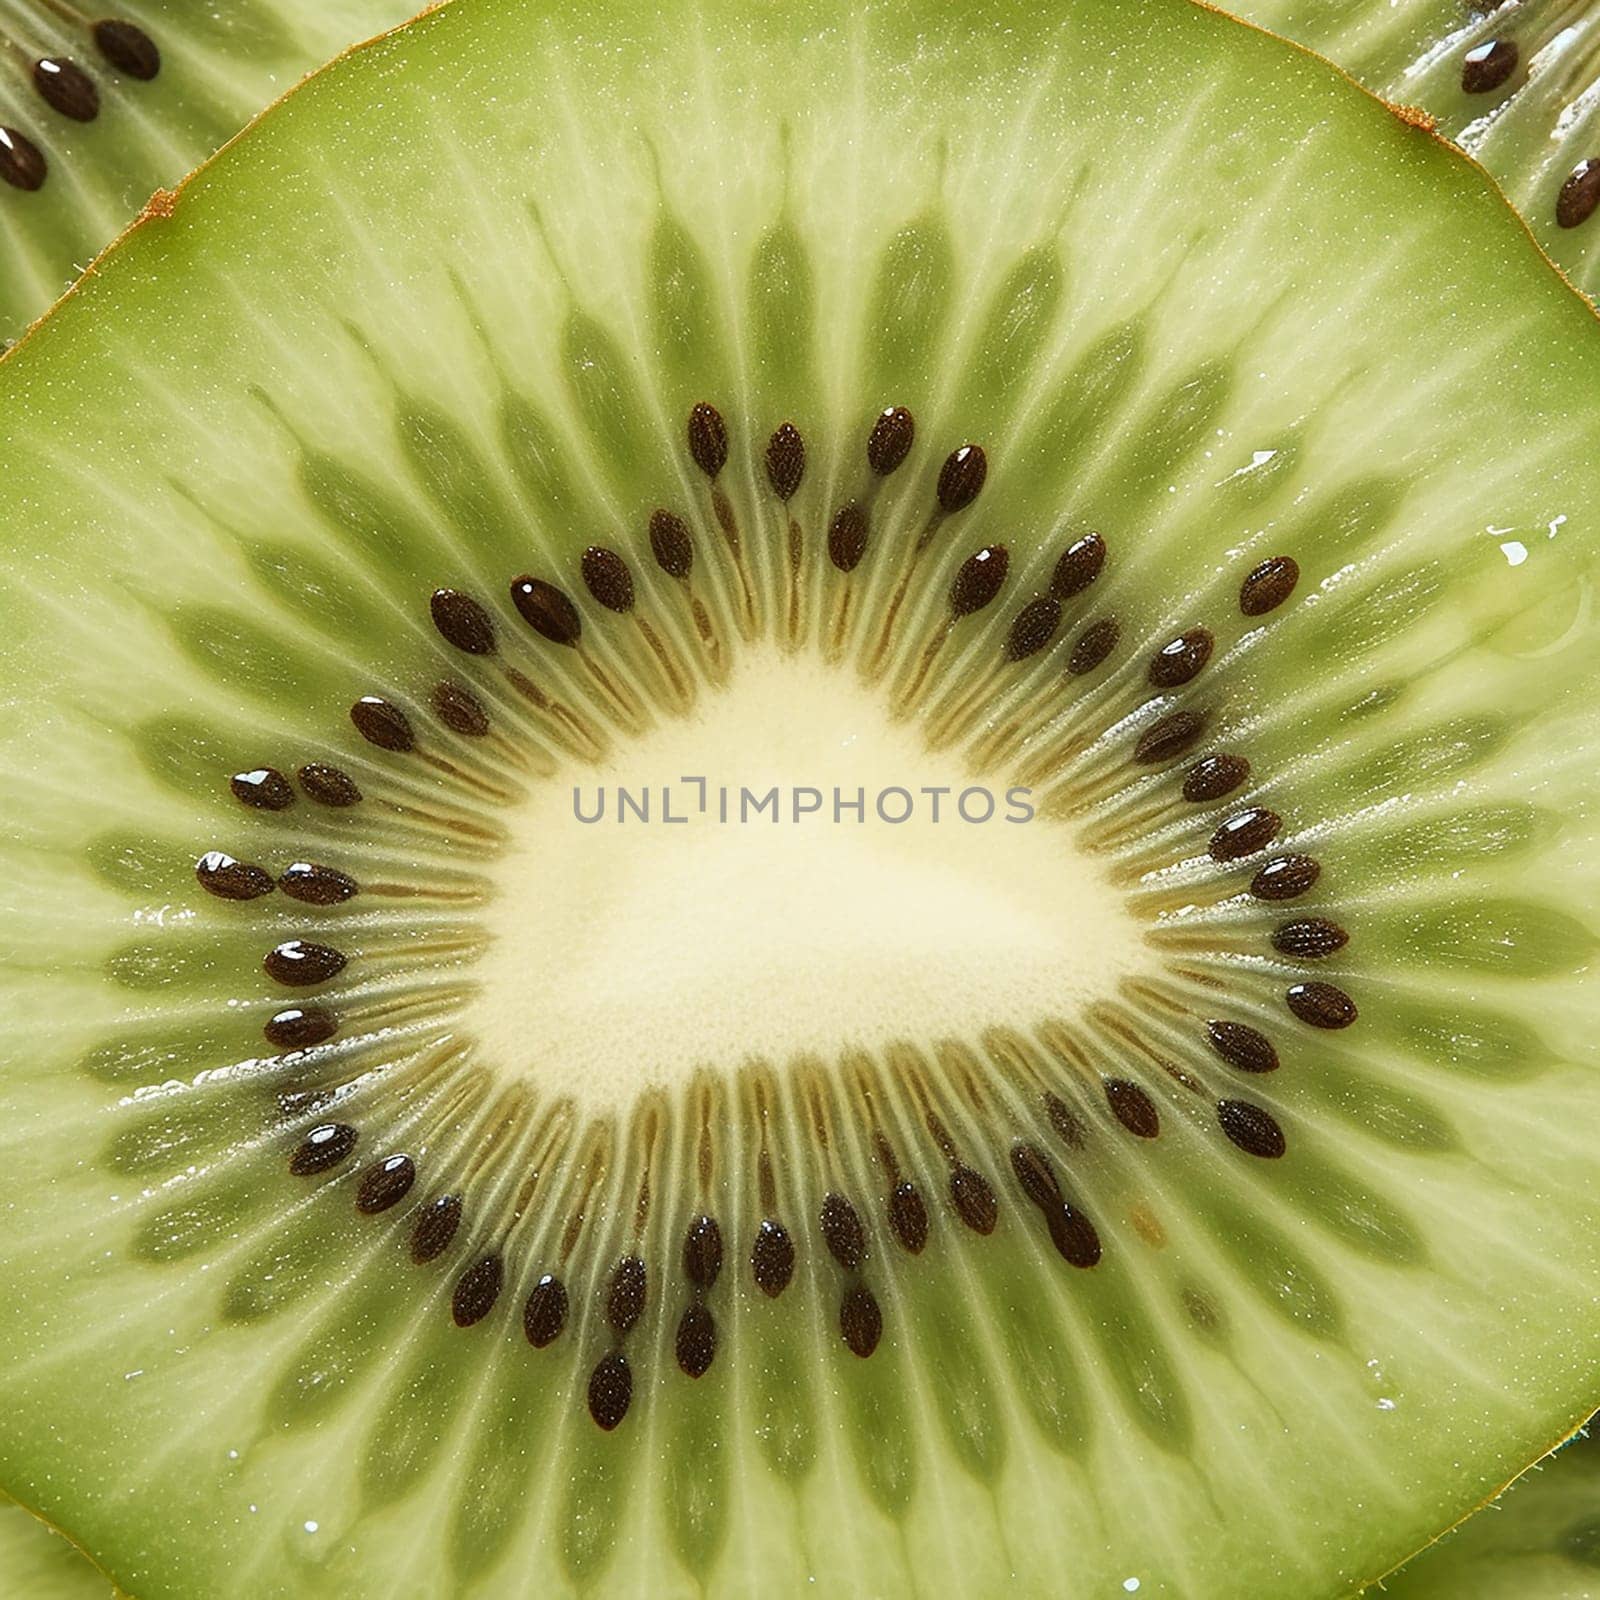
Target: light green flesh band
{"points": [[440, 322]]}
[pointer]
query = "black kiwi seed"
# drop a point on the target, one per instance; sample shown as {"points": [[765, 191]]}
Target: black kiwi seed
{"points": [[461, 621], [1075, 1238], [696, 1342], [66, 87], [772, 1258], [908, 1217], [1033, 627], [1311, 938], [328, 786], [1213, 776], [786, 460], [979, 579], [545, 1314], [459, 709], [1285, 878], [22, 164], [315, 885], [322, 1148], [546, 610], [298, 963], [1255, 1131], [1579, 194], [1132, 1107], [476, 1291], [1078, 567], [1035, 1174], [847, 537], [961, 478], [434, 1228], [227, 879], [1486, 66], [1244, 833], [708, 439], [1093, 645], [1242, 1047], [300, 1027], [860, 1320], [1174, 735], [671, 544], [382, 723], [263, 788], [843, 1231], [385, 1183], [607, 578], [702, 1252], [1071, 1232], [1180, 660], [974, 1199], [625, 1297], [1268, 586], [610, 1390], [1322, 1005], [129, 49], [890, 441]]}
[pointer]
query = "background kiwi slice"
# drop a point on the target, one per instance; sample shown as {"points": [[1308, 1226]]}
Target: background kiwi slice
{"points": [[1515, 84], [99, 109], [36, 1563], [409, 1185], [1540, 1541]]}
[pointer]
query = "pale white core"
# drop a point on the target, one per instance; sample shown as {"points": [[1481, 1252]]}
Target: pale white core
{"points": [[626, 953]]}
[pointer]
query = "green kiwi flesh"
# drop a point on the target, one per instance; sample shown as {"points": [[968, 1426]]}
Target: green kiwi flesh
{"points": [[1517, 85], [1539, 1541], [99, 110], [410, 1188]]}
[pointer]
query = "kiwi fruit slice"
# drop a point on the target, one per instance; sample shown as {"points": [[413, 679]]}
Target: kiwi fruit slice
{"points": [[1540, 1541], [98, 110], [36, 1563], [1515, 84], [509, 1089]]}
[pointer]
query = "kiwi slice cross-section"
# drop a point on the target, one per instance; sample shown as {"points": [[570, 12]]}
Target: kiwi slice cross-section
{"points": [[1516, 84], [509, 1089], [98, 110]]}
